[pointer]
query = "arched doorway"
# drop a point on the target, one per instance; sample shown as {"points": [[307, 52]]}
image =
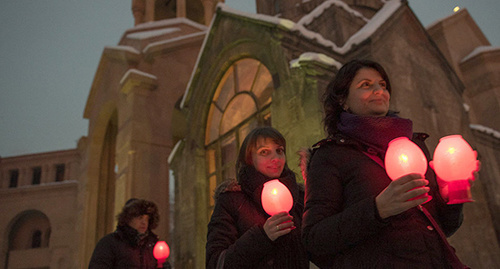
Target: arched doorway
{"points": [[107, 179]]}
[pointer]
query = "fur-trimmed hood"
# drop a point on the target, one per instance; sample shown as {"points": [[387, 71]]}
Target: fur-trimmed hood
{"points": [[226, 186], [304, 159]]}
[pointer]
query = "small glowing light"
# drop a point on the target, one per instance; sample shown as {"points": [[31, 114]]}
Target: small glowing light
{"points": [[275, 192], [161, 251], [457, 8], [403, 158], [451, 150]]}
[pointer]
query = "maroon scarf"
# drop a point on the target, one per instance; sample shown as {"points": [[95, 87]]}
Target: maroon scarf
{"points": [[375, 132]]}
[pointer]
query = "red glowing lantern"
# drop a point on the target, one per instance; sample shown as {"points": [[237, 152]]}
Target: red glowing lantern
{"points": [[276, 197], [404, 157], [161, 252], [454, 162]]}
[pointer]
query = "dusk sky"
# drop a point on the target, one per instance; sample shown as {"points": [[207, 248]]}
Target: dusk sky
{"points": [[50, 50]]}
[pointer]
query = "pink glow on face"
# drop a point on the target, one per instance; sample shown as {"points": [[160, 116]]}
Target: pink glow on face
{"points": [[404, 157], [276, 197], [368, 95], [268, 157]]}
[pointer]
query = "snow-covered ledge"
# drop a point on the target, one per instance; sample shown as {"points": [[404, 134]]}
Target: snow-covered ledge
{"points": [[134, 78], [486, 130], [125, 54], [480, 50], [314, 57]]}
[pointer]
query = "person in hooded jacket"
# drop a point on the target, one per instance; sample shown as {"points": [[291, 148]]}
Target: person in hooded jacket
{"points": [[240, 233], [131, 244], [355, 216]]}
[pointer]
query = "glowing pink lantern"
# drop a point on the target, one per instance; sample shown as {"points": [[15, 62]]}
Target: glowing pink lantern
{"points": [[404, 157], [454, 162], [161, 252], [276, 197]]}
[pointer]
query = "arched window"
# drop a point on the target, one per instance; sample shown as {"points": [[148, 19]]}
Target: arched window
{"points": [[241, 102]]}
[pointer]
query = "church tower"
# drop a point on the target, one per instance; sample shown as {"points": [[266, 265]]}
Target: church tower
{"points": [[200, 11]]}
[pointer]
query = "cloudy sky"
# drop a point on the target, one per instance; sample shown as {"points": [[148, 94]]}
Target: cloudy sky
{"points": [[50, 49]]}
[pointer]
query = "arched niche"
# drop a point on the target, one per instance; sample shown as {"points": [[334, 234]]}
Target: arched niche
{"points": [[31, 229]]}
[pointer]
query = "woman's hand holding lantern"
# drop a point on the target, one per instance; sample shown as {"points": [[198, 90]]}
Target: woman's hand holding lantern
{"points": [[277, 201], [456, 166]]}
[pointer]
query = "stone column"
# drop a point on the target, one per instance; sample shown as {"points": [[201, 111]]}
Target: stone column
{"points": [[209, 8], [23, 178], [181, 8], [139, 11]]}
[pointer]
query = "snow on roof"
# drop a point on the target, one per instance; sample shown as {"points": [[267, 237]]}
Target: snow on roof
{"points": [[123, 48], [373, 24], [306, 20], [390, 6], [479, 50], [366, 31], [138, 72], [152, 33], [485, 129], [313, 56]]}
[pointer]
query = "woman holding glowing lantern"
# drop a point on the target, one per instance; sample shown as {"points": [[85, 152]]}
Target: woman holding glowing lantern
{"points": [[355, 215], [240, 233], [132, 244]]}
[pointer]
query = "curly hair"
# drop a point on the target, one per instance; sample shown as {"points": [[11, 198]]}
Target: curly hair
{"points": [[338, 89], [138, 207]]}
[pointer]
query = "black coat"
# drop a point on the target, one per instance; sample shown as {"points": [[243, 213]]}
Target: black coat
{"points": [[236, 236], [341, 225], [122, 249]]}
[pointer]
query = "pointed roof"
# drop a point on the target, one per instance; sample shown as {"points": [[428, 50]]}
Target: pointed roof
{"points": [[366, 28]]}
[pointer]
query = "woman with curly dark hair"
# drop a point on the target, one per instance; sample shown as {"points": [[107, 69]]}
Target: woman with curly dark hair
{"points": [[355, 216], [131, 244]]}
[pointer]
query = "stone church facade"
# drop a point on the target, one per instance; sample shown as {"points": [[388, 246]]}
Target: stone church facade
{"points": [[171, 103]]}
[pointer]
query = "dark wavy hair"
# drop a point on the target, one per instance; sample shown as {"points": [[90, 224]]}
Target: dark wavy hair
{"points": [[250, 142], [138, 207], [338, 89]]}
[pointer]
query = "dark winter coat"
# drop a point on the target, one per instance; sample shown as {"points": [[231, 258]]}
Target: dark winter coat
{"points": [[123, 249], [342, 227], [236, 238]]}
